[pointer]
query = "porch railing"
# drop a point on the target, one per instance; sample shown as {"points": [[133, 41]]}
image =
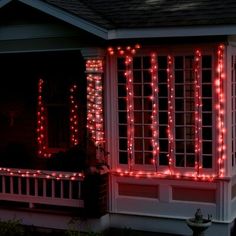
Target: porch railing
{"points": [[41, 187]]}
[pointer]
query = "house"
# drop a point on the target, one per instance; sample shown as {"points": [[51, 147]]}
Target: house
{"points": [[121, 113]]}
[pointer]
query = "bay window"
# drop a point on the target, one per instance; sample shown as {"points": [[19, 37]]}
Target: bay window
{"points": [[183, 129]]}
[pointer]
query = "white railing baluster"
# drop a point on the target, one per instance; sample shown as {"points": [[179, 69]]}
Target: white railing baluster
{"points": [[36, 187], [3, 184], [19, 185], [11, 185], [42, 188], [27, 187], [62, 189], [70, 189], [53, 188]]}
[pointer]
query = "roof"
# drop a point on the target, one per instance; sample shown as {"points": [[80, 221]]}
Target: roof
{"points": [[113, 14], [125, 19]]}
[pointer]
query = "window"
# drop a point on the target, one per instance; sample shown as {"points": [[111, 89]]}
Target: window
{"points": [[184, 111]]}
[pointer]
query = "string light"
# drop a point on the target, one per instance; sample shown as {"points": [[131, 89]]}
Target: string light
{"points": [[94, 69], [41, 123], [74, 118], [220, 105], [170, 126], [42, 174], [198, 105], [165, 174], [130, 108], [154, 98], [128, 52]]}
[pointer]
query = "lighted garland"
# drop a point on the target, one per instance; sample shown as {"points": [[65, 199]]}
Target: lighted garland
{"points": [[41, 174], [164, 175], [198, 105], [41, 123], [130, 108], [128, 52], [220, 105], [94, 69], [74, 118], [154, 98], [171, 100]]}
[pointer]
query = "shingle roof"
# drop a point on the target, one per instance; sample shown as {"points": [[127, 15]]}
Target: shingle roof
{"points": [[113, 14]]}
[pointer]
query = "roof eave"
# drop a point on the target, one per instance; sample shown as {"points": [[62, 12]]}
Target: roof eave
{"points": [[168, 32], [66, 17]]}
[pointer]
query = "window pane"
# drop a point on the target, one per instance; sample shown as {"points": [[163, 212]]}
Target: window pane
{"points": [[206, 62], [146, 62], [121, 63], [162, 76], [163, 90], [206, 76], [179, 161], [163, 160], [122, 117], [137, 88], [178, 62], [148, 158], [190, 161], [137, 77], [163, 145], [162, 62], [123, 144], [123, 158], [147, 76], [137, 62], [207, 161], [179, 76], [138, 157]]}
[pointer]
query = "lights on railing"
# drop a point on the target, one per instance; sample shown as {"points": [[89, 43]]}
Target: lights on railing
{"points": [[41, 174], [167, 174]]}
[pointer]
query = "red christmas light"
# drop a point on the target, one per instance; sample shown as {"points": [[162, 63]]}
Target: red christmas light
{"points": [[154, 98], [95, 122], [198, 110], [220, 106], [74, 117], [41, 123], [171, 100], [130, 108]]}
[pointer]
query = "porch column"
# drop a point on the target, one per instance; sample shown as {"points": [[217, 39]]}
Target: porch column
{"points": [[94, 59]]}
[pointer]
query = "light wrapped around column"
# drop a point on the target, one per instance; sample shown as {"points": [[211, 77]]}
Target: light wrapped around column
{"points": [[94, 70]]}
